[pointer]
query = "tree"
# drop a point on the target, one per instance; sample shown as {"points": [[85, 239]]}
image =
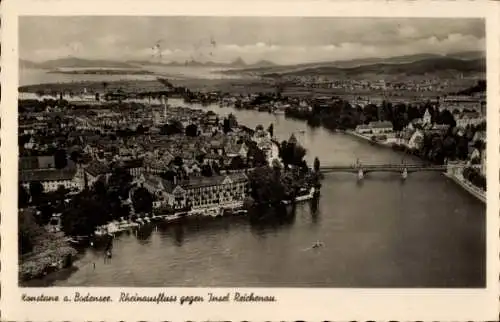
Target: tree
{"points": [[36, 190], [270, 129], [206, 170], [266, 187], [237, 163], [259, 128], [28, 232], [192, 130], [226, 126], [23, 197], [60, 159], [446, 117], [215, 168], [119, 183], [99, 187], [256, 156], [142, 200], [316, 164], [75, 156], [292, 153], [233, 122], [178, 161], [84, 214]]}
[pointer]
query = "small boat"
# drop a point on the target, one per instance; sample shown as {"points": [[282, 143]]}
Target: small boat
{"points": [[317, 244]]}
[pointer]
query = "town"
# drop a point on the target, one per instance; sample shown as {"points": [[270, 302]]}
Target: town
{"points": [[91, 167], [103, 168]]}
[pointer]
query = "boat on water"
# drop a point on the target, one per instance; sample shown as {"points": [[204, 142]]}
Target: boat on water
{"points": [[305, 194], [318, 244]]}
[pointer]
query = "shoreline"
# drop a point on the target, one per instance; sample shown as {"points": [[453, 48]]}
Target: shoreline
{"points": [[464, 184], [469, 187]]}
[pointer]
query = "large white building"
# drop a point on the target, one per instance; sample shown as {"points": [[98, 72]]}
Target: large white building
{"points": [[197, 193]]}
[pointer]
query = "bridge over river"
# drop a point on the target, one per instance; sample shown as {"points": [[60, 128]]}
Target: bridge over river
{"points": [[404, 168]]}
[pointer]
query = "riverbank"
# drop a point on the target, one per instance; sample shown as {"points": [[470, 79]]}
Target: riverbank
{"points": [[385, 144], [57, 255], [458, 179], [467, 186]]}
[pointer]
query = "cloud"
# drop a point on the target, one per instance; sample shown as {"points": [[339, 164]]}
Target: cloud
{"points": [[283, 40]]}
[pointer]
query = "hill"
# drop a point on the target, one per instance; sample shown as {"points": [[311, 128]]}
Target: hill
{"points": [[419, 67], [472, 55], [73, 62], [238, 63], [23, 63]]}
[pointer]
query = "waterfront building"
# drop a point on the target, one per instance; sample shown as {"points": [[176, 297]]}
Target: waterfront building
{"points": [[197, 192], [363, 129], [381, 127]]}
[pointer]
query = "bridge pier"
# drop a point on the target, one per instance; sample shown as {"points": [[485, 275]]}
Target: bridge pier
{"points": [[361, 174], [404, 174]]}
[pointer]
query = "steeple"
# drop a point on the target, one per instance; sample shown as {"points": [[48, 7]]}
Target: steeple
{"points": [[164, 108], [427, 117]]}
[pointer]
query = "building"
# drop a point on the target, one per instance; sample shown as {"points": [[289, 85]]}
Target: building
{"points": [[52, 179], [134, 167], [235, 150], [363, 129], [36, 162], [95, 170], [381, 127], [471, 118], [198, 193], [416, 140], [427, 118], [483, 163]]}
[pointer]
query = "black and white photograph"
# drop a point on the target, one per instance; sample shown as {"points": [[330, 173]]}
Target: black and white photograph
{"points": [[254, 154]]}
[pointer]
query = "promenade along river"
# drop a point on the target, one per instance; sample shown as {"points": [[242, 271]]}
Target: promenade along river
{"points": [[424, 232]]}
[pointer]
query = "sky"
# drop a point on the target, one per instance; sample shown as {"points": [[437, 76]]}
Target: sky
{"points": [[282, 40]]}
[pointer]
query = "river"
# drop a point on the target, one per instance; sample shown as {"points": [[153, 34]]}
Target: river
{"points": [[384, 232]]}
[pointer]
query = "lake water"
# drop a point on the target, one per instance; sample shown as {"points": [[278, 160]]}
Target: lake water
{"points": [[383, 232], [28, 76]]}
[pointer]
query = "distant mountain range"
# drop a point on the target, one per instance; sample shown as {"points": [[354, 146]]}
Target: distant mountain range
{"points": [[238, 63], [419, 67], [351, 64], [73, 62], [410, 64]]}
